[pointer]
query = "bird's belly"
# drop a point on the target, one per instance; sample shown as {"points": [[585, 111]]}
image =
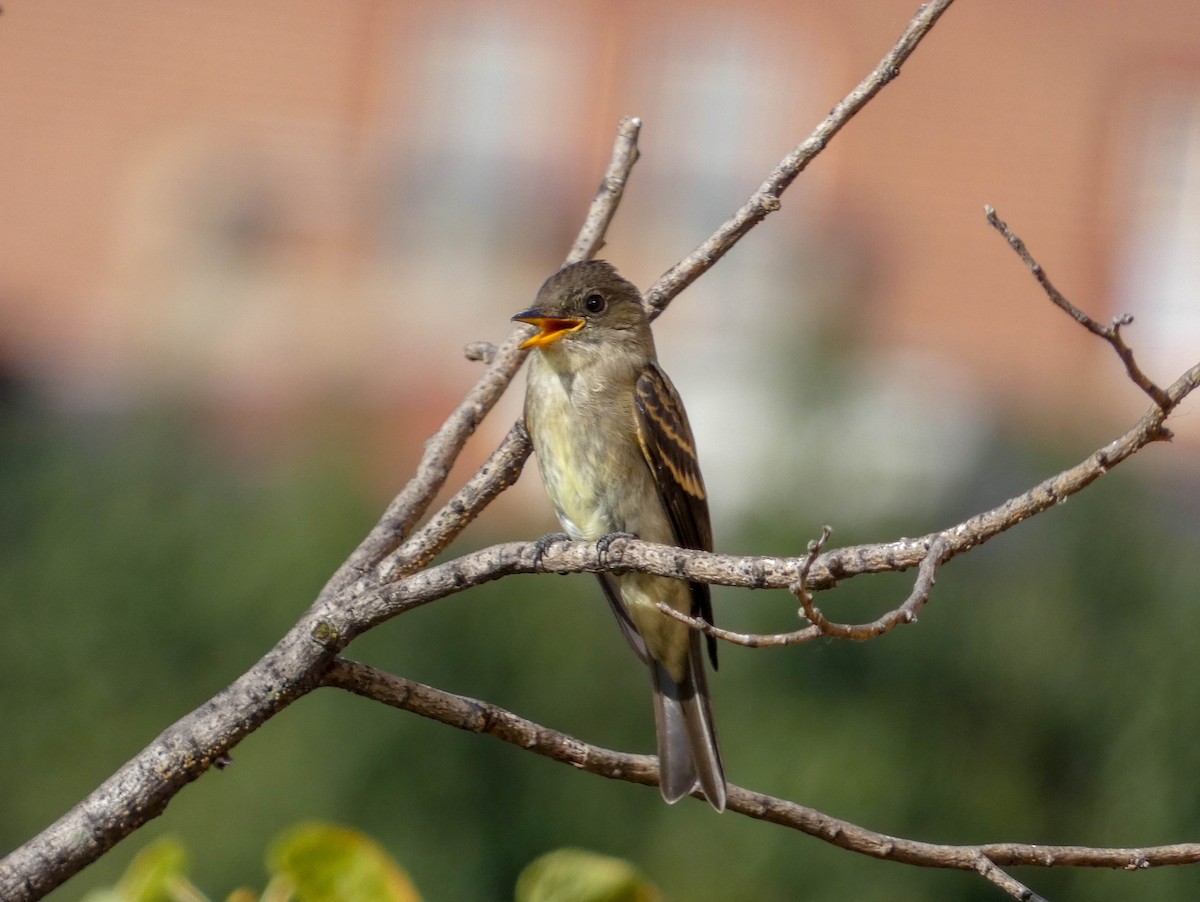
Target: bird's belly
{"points": [[589, 508], [601, 487], [597, 487], [582, 495]]}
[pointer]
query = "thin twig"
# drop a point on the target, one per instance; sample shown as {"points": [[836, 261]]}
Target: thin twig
{"points": [[987, 869], [800, 589], [608, 196], [746, 640], [499, 472], [820, 626], [1110, 333], [904, 613], [480, 350], [757, 640]]}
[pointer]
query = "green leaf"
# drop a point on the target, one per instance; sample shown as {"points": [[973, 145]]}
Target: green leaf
{"points": [[158, 873], [331, 864], [104, 895], [576, 875]]}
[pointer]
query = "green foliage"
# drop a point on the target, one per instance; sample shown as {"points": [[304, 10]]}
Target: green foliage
{"points": [[158, 873], [317, 862], [576, 875], [308, 863], [323, 863]]}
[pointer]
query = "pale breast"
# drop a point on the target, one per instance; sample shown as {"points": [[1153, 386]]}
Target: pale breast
{"points": [[599, 482], [590, 460]]}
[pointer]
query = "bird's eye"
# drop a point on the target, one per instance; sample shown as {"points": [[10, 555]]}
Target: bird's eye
{"points": [[595, 303]]}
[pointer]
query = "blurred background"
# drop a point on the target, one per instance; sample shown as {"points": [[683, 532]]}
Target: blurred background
{"points": [[244, 245]]}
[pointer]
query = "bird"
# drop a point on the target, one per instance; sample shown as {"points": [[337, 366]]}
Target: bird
{"points": [[618, 459]]}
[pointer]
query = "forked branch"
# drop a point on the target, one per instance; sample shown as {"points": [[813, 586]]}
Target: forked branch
{"points": [[1110, 333]]}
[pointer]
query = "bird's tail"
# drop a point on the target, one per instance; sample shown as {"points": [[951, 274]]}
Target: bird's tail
{"points": [[688, 756]]}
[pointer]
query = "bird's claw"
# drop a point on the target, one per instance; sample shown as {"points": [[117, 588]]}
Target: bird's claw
{"points": [[544, 544], [605, 543]]}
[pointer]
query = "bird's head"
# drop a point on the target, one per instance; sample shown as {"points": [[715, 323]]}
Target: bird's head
{"points": [[586, 303]]}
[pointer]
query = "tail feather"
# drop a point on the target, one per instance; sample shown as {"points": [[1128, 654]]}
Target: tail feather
{"points": [[702, 732], [688, 756]]}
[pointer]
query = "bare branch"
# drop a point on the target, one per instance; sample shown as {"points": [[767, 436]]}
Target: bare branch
{"points": [[499, 472], [441, 451], [746, 640], [1007, 882], [905, 613], [141, 788], [800, 589], [477, 716], [480, 350], [1110, 333], [986, 860], [766, 199], [608, 196], [821, 627]]}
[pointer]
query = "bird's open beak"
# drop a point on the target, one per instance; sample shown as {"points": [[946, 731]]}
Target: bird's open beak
{"points": [[552, 328]]}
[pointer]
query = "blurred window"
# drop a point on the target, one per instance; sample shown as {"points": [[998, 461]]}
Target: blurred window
{"points": [[1160, 273]]}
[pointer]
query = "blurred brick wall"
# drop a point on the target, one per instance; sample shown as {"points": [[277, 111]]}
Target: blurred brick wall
{"points": [[281, 205]]}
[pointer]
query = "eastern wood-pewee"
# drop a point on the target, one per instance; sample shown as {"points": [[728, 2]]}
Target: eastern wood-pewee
{"points": [[617, 456]]}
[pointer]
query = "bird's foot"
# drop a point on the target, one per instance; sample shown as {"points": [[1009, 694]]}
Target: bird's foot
{"points": [[605, 543], [544, 544]]}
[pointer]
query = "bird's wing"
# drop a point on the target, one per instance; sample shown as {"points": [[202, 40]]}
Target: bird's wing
{"points": [[666, 440]]}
